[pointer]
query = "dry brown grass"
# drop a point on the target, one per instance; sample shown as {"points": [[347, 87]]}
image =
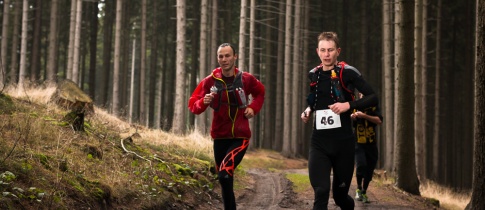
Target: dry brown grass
{"points": [[194, 141], [32, 94], [448, 198]]}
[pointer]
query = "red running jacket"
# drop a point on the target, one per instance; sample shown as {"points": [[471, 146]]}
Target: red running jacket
{"points": [[223, 126]]}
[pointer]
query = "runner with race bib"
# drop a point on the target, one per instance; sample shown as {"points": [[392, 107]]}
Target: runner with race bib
{"points": [[333, 142]]}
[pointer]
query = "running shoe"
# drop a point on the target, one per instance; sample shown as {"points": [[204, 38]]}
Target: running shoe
{"points": [[365, 199], [358, 195]]}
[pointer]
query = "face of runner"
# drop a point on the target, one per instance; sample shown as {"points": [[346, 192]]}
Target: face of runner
{"points": [[226, 58], [328, 52]]}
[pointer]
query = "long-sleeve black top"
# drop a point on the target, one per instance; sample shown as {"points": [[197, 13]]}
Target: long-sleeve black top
{"points": [[320, 96]]}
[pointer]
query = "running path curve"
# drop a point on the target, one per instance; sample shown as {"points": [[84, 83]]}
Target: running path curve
{"points": [[270, 191]]}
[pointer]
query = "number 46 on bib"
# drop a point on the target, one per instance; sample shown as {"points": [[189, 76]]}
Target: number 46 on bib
{"points": [[327, 119]]}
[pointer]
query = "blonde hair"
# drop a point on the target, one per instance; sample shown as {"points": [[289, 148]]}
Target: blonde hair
{"points": [[329, 36]]}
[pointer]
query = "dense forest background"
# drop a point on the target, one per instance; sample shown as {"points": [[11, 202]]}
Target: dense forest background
{"points": [[141, 60]]}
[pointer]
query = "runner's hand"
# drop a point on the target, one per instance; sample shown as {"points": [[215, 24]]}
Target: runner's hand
{"points": [[339, 108], [208, 98], [305, 115], [249, 113]]}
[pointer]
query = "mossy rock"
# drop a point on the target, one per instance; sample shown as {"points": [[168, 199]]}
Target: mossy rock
{"points": [[68, 95]]}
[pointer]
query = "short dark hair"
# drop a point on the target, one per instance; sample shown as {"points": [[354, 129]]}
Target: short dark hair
{"points": [[228, 44], [329, 36]]}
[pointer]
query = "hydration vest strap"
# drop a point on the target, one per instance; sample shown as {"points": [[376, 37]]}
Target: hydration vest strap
{"points": [[342, 67]]}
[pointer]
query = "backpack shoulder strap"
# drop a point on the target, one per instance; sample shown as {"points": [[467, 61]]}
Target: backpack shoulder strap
{"points": [[342, 65], [238, 79], [239, 75], [312, 75]]}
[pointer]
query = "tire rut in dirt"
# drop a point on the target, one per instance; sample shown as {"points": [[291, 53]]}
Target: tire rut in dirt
{"points": [[271, 191]]}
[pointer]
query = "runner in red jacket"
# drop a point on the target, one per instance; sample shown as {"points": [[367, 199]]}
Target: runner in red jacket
{"points": [[227, 92]]}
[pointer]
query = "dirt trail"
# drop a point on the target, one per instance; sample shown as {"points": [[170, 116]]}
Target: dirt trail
{"points": [[269, 191], [272, 191]]}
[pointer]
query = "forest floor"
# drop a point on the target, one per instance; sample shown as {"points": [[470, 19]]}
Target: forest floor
{"points": [[270, 189]]}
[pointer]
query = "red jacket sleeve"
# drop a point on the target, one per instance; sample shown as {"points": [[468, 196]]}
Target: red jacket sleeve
{"points": [[196, 101], [256, 90]]}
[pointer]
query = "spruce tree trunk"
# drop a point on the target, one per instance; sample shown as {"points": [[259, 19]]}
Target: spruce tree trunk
{"points": [[168, 73], [143, 47], [93, 42], [269, 82], [213, 47], [53, 43], [424, 89], [407, 179], [436, 126], [279, 141], [117, 53], [253, 122], [418, 85], [5, 27], [242, 37], [110, 6], [397, 35], [201, 119], [155, 73], [14, 64], [306, 128], [179, 120], [23, 45], [388, 139], [287, 119], [72, 32], [77, 47], [478, 187], [36, 39], [295, 79], [132, 83], [363, 42]]}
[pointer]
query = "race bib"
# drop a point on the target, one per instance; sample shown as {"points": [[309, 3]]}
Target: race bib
{"points": [[327, 119]]}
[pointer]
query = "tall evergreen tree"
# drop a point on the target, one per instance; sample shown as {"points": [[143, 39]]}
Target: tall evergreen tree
{"points": [[437, 153], [3, 56], [201, 124], [419, 128], [14, 64], [387, 86], [76, 54], [143, 48], [180, 77], [72, 32], [115, 107], [36, 40], [405, 160], [53, 43], [295, 72], [242, 37], [104, 74], [156, 84], [23, 45], [478, 187], [93, 42], [287, 119], [279, 140], [423, 74]]}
